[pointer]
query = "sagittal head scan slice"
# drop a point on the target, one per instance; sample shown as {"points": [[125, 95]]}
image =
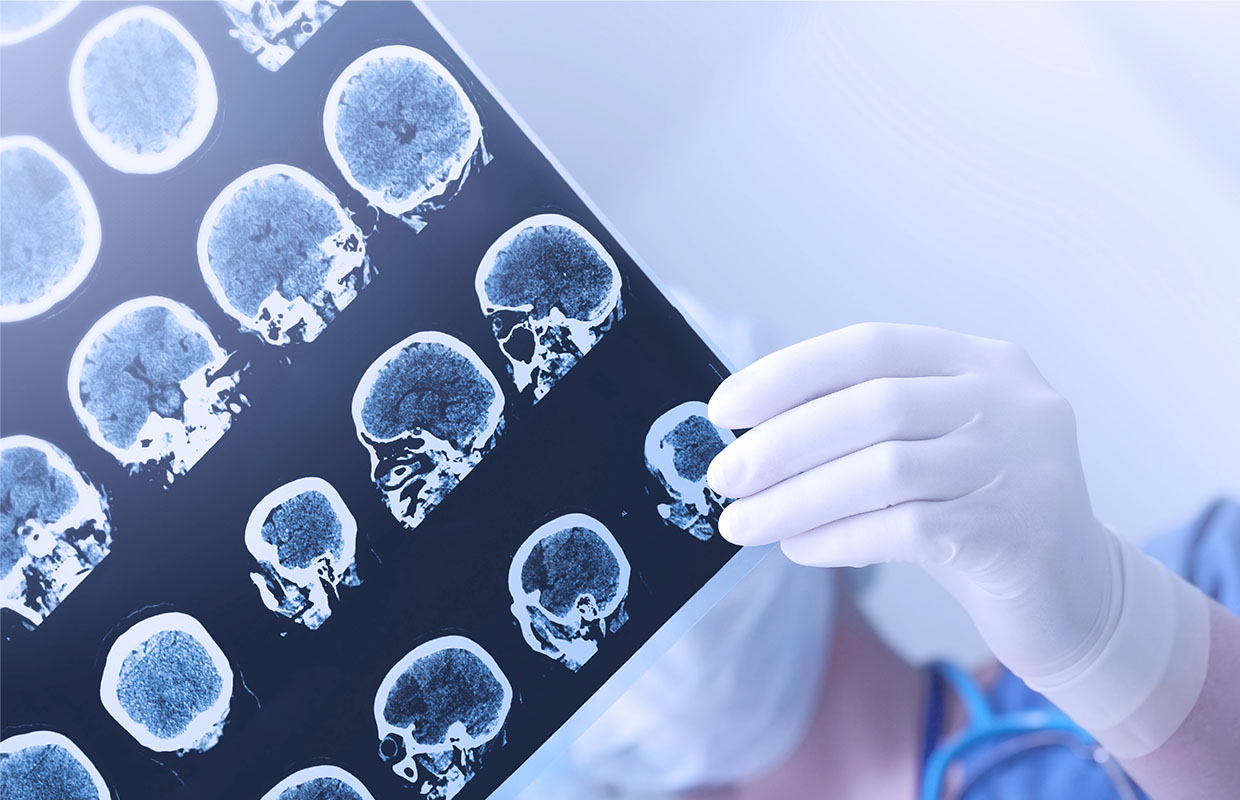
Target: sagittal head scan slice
{"points": [[151, 386], [49, 228], [281, 255], [400, 129], [550, 291], [428, 410], [44, 765], [304, 540], [568, 582], [168, 684], [272, 31], [55, 524], [679, 448], [142, 91], [319, 783], [438, 711]]}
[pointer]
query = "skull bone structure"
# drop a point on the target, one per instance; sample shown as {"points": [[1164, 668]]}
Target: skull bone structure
{"points": [[20, 21], [569, 581], [401, 130], [304, 540], [280, 254], [551, 292], [49, 228], [274, 30], [55, 523], [427, 410], [46, 765], [319, 783], [168, 684], [142, 92], [438, 711], [151, 386], [679, 448]]}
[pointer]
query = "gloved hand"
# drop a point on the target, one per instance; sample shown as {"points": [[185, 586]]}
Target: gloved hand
{"points": [[904, 443]]}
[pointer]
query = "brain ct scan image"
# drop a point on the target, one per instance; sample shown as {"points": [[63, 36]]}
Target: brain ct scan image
{"points": [[550, 291], [400, 129], [438, 711], [274, 30], [568, 583], [49, 228], [168, 684], [149, 384], [319, 783], [142, 92], [679, 448], [55, 524], [427, 410], [281, 255], [21, 20], [43, 765]]}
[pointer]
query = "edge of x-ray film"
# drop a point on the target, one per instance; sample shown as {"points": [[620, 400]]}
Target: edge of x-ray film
{"points": [[712, 591], [304, 776], [45, 738]]}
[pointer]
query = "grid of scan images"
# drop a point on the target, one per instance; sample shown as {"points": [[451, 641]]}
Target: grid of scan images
{"points": [[345, 453]]}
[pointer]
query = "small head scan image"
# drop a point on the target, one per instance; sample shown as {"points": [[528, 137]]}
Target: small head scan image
{"points": [[148, 382], [274, 30], [679, 448], [21, 20], [319, 783], [55, 525], [304, 540], [280, 254], [49, 228], [428, 410], [438, 711], [168, 684], [44, 765], [568, 583], [400, 128], [142, 92], [550, 291]]}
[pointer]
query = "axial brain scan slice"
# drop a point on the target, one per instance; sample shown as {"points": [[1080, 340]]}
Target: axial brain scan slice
{"points": [[49, 228], [319, 783], [679, 448], [280, 254], [20, 21], [148, 382], [550, 291], [55, 526], [400, 128], [428, 410], [142, 92], [168, 684], [44, 765], [568, 583], [304, 539], [274, 30], [438, 711]]}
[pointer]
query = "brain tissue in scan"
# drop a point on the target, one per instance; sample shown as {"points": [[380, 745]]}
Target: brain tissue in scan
{"points": [[679, 448], [304, 540], [568, 583], [550, 291], [55, 525], [49, 228], [281, 255], [274, 30], [319, 783], [43, 765], [20, 21], [427, 410], [150, 385], [142, 93], [168, 684], [438, 711], [400, 129]]}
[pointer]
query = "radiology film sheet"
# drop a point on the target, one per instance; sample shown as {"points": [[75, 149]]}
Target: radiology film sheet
{"points": [[345, 451]]}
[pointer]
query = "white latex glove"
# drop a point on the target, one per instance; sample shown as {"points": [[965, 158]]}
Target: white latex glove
{"points": [[904, 443]]}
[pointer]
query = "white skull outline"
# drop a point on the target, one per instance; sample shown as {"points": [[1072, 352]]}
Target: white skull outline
{"points": [[542, 348], [469, 689], [58, 553], [13, 747], [414, 466], [302, 592], [570, 631], [280, 320], [694, 507], [318, 775], [200, 406]]}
